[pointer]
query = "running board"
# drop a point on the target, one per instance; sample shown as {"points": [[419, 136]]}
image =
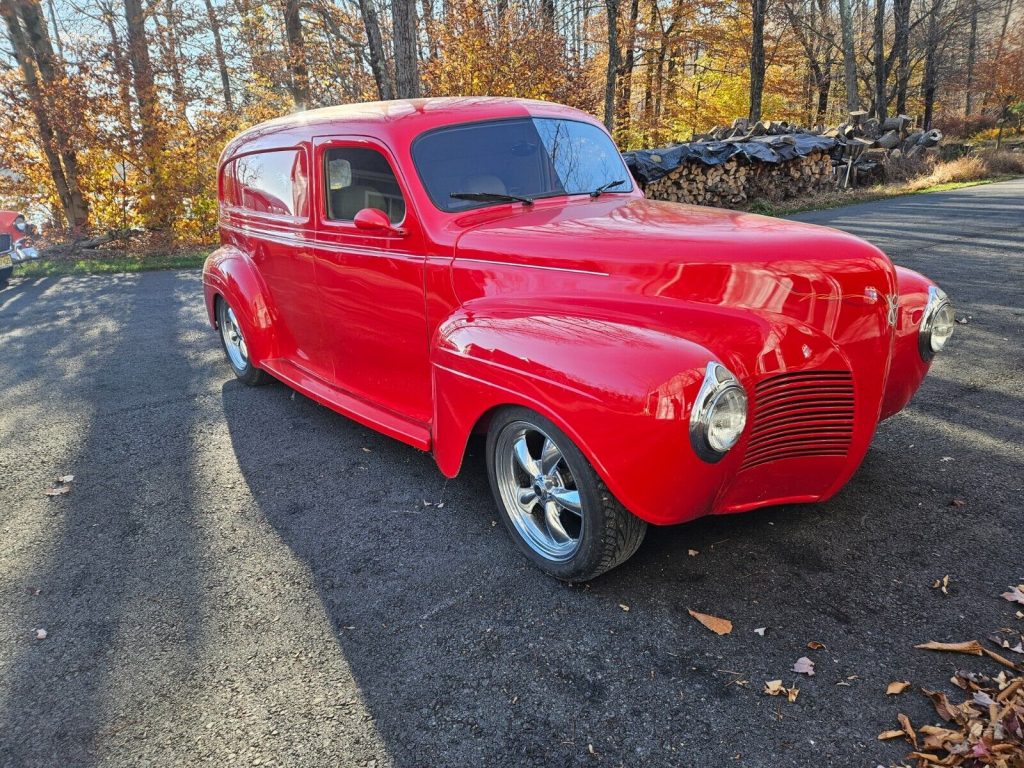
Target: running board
{"points": [[355, 408]]}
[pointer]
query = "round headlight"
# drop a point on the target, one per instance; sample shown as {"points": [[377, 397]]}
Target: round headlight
{"points": [[728, 418], [719, 414], [20, 224], [937, 323]]}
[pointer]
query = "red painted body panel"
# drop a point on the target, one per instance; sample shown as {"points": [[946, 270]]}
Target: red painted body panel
{"points": [[601, 314]]}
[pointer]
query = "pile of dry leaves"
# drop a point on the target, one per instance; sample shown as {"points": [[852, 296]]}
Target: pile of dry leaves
{"points": [[987, 728]]}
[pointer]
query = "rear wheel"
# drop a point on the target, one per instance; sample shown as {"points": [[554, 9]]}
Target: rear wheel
{"points": [[235, 348], [552, 501]]}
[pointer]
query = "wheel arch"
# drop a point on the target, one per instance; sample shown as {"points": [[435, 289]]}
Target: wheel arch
{"points": [[229, 274]]}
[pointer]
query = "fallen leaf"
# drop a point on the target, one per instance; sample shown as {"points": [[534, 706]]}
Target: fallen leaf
{"points": [[41, 634], [714, 623], [1015, 595], [1020, 614], [958, 503], [66, 479], [760, 631], [1009, 639], [972, 647], [792, 693], [896, 688], [440, 504], [907, 728], [942, 584], [894, 734], [942, 705], [624, 607], [591, 750], [804, 666], [773, 687], [946, 458], [693, 552], [60, 490], [814, 645]]}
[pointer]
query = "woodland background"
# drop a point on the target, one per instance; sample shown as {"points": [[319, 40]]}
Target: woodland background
{"points": [[113, 112]]}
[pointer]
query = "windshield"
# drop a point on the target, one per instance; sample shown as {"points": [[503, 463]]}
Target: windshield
{"points": [[527, 157]]}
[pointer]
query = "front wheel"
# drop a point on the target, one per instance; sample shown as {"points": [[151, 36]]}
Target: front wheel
{"points": [[235, 348], [553, 503]]}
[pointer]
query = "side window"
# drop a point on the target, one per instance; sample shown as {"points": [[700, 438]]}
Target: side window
{"points": [[270, 182], [228, 185], [357, 178]]}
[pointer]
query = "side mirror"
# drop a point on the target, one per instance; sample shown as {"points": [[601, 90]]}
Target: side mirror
{"points": [[375, 220]]}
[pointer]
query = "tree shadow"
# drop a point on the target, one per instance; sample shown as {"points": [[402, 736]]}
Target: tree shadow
{"points": [[114, 583]]}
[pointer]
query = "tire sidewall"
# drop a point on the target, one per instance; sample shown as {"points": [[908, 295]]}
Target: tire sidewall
{"points": [[588, 556]]}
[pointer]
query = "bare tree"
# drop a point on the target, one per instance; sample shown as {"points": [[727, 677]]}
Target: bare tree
{"points": [[375, 50], [218, 50], [611, 73], [759, 9], [849, 55]]}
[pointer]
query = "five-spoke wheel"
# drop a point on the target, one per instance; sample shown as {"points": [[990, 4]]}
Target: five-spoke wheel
{"points": [[552, 501]]}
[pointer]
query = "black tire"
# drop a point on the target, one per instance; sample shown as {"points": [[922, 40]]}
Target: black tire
{"points": [[244, 370], [609, 534]]}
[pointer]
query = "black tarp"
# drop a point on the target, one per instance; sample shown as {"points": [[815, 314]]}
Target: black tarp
{"points": [[649, 165]]}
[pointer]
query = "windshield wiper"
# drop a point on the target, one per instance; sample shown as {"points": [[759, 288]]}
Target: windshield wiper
{"points": [[605, 187], [491, 197]]}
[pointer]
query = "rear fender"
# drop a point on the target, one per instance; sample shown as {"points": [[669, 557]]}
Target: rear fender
{"points": [[621, 391], [228, 272]]}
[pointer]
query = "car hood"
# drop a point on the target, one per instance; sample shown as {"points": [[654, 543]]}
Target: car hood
{"points": [[686, 253]]}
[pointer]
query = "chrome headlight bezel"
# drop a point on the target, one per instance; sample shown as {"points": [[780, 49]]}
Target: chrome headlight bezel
{"points": [[20, 224], [938, 302], [719, 387]]}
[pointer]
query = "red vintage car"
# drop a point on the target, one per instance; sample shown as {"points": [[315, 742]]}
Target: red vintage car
{"points": [[438, 267], [14, 231]]}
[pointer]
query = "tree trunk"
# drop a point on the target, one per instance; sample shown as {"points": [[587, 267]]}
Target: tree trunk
{"points": [[218, 50], [901, 50], [547, 12], [612, 9], [156, 210], [972, 57], [297, 67], [407, 72], [34, 54], [849, 58], [626, 71], [375, 50], [757, 66], [75, 210], [929, 83], [881, 95]]}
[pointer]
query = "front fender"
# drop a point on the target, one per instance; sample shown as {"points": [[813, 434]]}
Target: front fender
{"points": [[228, 272], [620, 390], [908, 368]]}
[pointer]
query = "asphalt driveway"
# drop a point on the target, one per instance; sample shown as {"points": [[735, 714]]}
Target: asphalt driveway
{"points": [[242, 577]]}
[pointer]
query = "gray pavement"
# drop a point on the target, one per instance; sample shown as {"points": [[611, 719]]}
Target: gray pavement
{"points": [[241, 577]]}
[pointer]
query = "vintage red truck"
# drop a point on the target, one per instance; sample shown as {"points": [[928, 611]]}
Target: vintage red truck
{"points": [[438, 267]]}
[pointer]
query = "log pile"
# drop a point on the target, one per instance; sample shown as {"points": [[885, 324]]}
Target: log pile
{"points": [[731, 165], [738, 181]]}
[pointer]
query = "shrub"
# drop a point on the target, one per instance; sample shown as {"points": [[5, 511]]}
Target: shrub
{"points": [[1004, 163]]}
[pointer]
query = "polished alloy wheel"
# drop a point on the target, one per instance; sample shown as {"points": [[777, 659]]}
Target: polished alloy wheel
{"points": [[539, 491], [234, 342]]}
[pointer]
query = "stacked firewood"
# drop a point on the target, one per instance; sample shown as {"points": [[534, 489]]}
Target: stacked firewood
{"points": [[731, 165], [737, 180]]}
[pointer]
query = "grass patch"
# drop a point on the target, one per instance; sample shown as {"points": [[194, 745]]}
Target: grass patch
{"points": [[191, 258]]}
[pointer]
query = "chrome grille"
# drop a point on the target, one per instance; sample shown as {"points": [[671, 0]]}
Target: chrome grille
{"points": [[795, 415]]}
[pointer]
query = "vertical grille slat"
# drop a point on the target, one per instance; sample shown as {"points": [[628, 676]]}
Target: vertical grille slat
{"points": [[802, 414]]}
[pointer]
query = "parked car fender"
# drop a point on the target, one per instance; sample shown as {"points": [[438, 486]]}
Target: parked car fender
{"points": [[230, 273], [908, 368], [621, 391]]}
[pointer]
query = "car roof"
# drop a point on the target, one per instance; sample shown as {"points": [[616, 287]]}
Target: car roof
{"points": [[391, 120]]}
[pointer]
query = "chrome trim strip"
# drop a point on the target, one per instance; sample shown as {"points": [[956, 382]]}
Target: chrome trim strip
{"points": [[286, 239], [532, 266]]}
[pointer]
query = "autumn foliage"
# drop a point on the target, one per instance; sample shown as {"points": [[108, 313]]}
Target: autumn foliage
{"points": [[113, 115]]}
